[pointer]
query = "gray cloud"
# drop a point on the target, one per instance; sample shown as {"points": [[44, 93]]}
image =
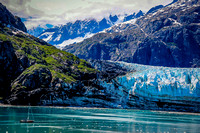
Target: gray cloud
{"points": [[22, 8], [41, 12]]}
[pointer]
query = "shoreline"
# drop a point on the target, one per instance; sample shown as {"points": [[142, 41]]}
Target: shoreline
{"points": [[63, 107]]}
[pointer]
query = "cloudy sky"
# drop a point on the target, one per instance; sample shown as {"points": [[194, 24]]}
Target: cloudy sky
{"points": [[42, 12]]}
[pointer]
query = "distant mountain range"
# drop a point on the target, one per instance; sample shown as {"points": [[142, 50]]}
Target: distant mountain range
{"points": [[36, 31], [166, 36], [74, 32], [79, 30]]}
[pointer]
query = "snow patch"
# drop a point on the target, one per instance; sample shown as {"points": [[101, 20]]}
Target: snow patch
{"points": [[72, 41], [174, 21], [47, 36], [119, 27], [132, 21]]}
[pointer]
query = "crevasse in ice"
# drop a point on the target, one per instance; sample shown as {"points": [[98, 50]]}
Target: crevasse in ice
{"points": [[157, 83]]}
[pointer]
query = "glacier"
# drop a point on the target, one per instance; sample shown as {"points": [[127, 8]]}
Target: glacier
{"points": [[161, 83], [142, 87]]}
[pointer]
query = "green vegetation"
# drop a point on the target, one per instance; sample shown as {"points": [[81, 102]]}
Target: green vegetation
{"points": [[66, 78], [61, 64], [17, 87], [82, 66], [31, 69], [172, 44], [3, 37]]}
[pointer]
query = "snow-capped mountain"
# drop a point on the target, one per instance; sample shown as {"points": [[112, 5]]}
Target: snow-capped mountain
{"points": [[36, 31], [168, 36], [79, 30]]}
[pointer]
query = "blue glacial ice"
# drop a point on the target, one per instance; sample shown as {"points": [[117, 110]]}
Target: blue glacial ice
{"points": [[154, 82]]}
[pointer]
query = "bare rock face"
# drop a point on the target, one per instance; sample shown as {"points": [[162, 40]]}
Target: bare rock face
{"points": [[177, 25], [9, 66], [7, 18], [30, 85], [153, 52], [108, 69], [37, 76]]}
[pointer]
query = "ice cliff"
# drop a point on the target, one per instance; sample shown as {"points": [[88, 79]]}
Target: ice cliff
{"points": [[159, 83], [162, 82]]}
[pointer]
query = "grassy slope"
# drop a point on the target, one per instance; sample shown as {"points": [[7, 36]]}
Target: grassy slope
{"points": [[61, 64]]}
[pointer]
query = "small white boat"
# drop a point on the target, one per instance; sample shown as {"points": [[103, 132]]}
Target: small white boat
{"points": [[26, 121]]}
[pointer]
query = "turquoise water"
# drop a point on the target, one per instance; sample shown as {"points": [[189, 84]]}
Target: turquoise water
{"points": [[62, 120]]}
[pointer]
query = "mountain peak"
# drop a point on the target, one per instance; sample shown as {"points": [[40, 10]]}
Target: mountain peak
{"points": [[81, 29], [140, 13], [113, 18], [154, 9]]}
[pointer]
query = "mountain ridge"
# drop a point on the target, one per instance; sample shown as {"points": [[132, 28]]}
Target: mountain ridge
{"points": [[168, 28], [59, 35]]}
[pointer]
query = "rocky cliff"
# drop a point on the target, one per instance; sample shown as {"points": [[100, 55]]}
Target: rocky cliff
{"points": [[167, 37], [9, 19]]}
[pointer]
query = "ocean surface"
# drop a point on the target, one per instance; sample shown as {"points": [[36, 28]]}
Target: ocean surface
{"points": [[84, 120]]}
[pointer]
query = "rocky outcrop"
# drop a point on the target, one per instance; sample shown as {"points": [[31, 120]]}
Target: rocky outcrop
{"points": [[7, 18], [30, 85], [30, 67], [36, 76], [108, 70], [174, 28]]}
